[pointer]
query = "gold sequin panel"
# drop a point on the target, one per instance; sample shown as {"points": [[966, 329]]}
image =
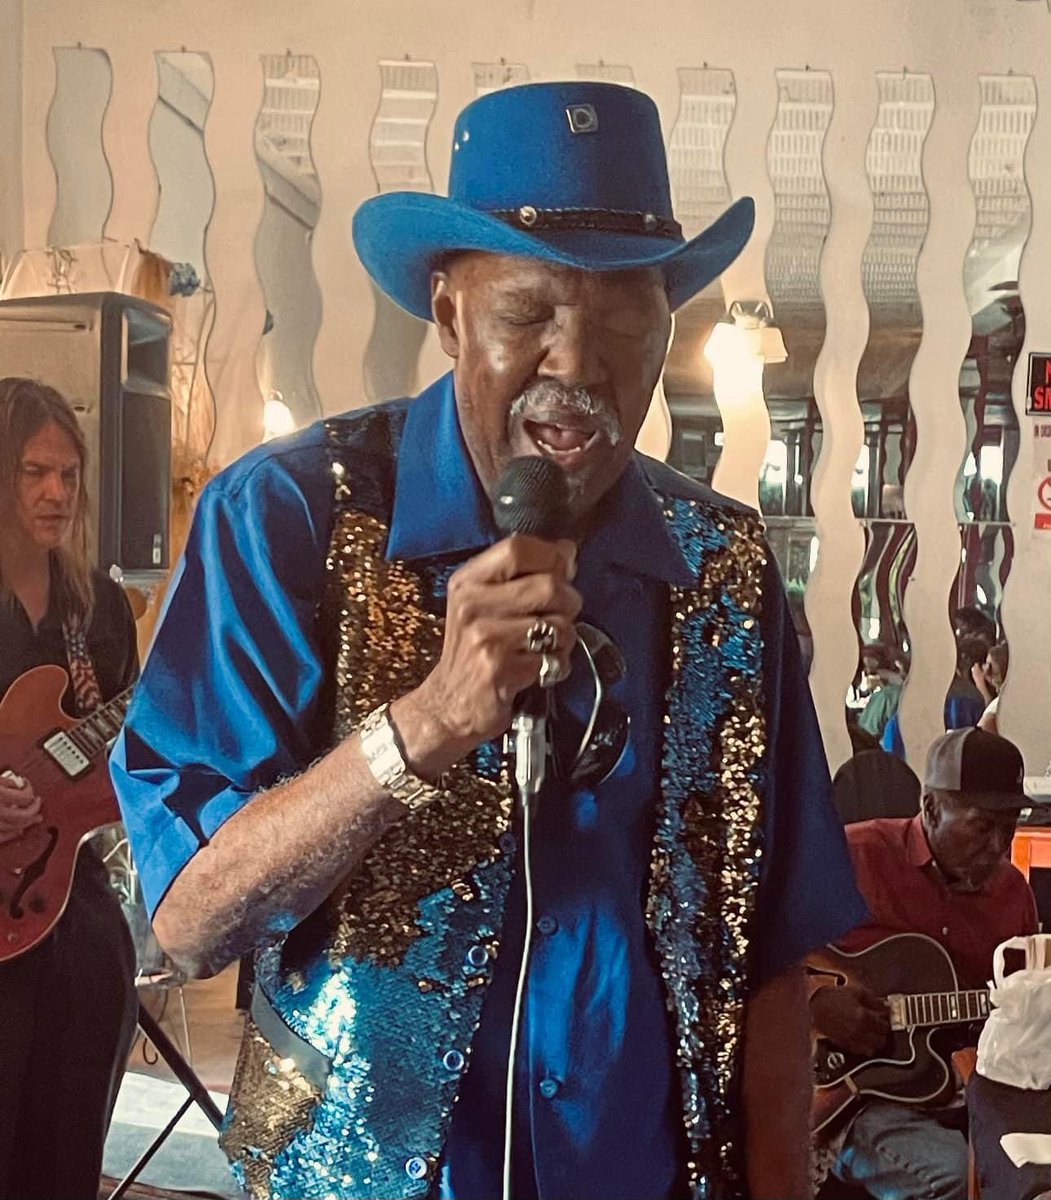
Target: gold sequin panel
{"points": [[273, 1102], [388, 642]]}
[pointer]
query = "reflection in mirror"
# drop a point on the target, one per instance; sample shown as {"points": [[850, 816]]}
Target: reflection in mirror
{"points": [[802, 213], [1002, 222], [893, 162], [283, 243], [185, 84], [398, 154], [491, 77], [186, 197], [83, 184], [701, 191]]}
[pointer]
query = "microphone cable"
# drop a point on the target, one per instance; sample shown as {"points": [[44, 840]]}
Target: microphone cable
{"points": [[523, 971]]}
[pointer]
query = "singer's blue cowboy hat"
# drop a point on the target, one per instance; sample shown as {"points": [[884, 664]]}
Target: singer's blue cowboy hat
{"points": [[573, 173]]}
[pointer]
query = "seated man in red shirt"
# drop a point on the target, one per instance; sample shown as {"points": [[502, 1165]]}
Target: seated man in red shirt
{"points": [[945, 874]]}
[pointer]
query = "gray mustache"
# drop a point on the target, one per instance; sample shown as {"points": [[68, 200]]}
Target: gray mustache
{"points": [[548, 395]]}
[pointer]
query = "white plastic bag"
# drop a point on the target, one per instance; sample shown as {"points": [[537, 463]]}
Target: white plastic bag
{"points": [[1015, 1045]]}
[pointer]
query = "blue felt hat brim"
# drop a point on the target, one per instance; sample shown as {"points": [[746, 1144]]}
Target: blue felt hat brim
{"points": [[401, 237]]}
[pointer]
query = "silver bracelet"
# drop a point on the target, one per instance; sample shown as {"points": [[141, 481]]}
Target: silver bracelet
{"points": [[383, 753]]}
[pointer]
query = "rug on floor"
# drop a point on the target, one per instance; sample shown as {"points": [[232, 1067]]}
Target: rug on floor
{"points": [[189, 1161]]}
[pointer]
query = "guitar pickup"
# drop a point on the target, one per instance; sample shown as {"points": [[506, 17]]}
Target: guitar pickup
{"points": [[898, 1012], [67, 755]]}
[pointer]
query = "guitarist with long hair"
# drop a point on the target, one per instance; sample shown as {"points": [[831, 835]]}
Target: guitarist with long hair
{"points": [[68, 1005], [943, 874]]}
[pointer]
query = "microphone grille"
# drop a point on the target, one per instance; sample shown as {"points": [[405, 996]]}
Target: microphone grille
{"points": [[532, 496]]}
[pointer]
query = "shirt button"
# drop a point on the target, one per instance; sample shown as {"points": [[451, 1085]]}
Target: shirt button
{"points": [[547, 925], [416, 1167], [453, 1061], [549, 1088], [945, 931], [477, 956]]}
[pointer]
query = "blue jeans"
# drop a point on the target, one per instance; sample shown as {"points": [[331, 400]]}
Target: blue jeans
{"points": [[897, 1152]]}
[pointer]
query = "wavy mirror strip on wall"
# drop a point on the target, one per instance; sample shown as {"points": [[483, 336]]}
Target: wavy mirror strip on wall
{"points": [[83, 183], [492, 76], [398, 154], [893, 162], [802, 214], [701, 191], [284, 242], [995, 167], [185, 200], [604, 72]]}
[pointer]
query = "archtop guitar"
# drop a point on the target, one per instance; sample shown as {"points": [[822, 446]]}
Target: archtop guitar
{"points": [[918, 979], [65, 761]]}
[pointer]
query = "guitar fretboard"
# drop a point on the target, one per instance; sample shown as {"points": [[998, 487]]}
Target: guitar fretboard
{"points": [[945, 1008], [94, 733]]}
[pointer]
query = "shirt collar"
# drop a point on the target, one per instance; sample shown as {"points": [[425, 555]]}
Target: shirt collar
{"points": [[633, 532], [441, 508], [917, 848]]}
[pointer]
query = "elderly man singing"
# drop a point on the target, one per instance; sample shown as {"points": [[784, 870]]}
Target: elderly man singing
{"points": [[315, 763]]}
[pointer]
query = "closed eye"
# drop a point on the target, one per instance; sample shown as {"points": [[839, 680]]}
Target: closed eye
{"points": [[534, 316]]}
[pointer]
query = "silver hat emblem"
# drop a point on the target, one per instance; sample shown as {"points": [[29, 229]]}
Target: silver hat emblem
{"points": [[582, 118]]}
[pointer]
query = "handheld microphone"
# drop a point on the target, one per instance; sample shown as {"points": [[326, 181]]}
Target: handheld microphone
{"points": [[532, 497]]}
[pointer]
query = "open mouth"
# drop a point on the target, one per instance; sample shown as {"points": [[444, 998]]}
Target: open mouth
{"points": [[567, 440]]}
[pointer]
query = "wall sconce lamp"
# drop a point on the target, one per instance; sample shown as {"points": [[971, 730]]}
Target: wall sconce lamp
{"points": [[738, 348], [745, 339], [277, 417]]}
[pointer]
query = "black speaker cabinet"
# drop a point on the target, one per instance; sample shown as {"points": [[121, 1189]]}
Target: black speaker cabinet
{"points": [[108, 354]]}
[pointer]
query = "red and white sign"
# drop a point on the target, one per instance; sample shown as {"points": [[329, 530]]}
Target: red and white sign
{"points": [[1038, 397], [1042, 520]]}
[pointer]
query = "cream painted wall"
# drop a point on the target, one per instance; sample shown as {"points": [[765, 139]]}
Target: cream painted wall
{"points": [[12, 215], [853, 39]]}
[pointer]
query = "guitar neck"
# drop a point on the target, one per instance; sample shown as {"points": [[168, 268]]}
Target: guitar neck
{"points": [[74, 749], [937, 1008], [95, 732]]}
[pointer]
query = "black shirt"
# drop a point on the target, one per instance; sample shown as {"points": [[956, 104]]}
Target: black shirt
{"points": [[110, 638]]}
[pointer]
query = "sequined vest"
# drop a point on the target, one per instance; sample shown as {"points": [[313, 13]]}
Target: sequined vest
{"points": [[363, 1017]]}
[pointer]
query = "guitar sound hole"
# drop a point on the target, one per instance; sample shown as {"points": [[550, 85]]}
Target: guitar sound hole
{"points": [[32, 873]]}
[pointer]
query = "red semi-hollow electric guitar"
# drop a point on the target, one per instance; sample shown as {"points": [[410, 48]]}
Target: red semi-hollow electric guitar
{"points": [[65, 761]]}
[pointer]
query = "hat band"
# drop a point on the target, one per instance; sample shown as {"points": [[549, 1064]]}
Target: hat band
{"points": [[605, 220]]}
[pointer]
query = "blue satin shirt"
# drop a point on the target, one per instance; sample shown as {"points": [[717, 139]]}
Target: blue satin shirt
{"points": [[225, 707]]}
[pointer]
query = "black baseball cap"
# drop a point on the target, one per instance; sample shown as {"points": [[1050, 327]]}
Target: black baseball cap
{"points": [[985, 767]]}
